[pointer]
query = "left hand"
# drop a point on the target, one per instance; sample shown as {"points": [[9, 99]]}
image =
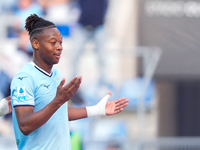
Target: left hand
{"points": [[9, 103], [116, 106]]}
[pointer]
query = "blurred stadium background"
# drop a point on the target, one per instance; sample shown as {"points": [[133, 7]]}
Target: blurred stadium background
{"points": [[148, 52]]}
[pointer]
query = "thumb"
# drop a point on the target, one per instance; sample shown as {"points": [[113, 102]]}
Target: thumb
{"points": [[101, 106], [62, 83], [104, 100]]}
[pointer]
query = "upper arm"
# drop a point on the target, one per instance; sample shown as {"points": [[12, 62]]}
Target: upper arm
{"points": [[22, 112], [22, 98]]}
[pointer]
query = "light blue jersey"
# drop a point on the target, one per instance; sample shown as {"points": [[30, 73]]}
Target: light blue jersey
{"points": [[34, 87]]}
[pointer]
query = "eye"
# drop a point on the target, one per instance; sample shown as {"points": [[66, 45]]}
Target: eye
{"points": [[53, 43]]}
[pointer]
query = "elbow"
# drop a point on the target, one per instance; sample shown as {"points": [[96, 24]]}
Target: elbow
{"points": [[25, 130]]}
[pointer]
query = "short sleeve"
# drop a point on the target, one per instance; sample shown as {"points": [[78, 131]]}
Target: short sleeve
{"points": [[22, 90]]}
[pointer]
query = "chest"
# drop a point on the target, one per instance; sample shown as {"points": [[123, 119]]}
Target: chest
{"points": [[45, 91]]}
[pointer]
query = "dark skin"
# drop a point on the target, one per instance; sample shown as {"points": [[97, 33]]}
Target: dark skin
{"points": [[9, 103], [47, 48]]}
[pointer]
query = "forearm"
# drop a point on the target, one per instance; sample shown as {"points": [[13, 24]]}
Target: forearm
{"points": [[31, 121], [75, 113]]}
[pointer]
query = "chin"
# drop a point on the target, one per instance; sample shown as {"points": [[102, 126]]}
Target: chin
{"points": [[56, 62]]}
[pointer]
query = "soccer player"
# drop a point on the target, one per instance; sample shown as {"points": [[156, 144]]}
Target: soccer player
{"points": [[5, 106], [39, 94]]}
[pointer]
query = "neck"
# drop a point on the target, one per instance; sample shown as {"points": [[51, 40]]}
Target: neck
{"points": [[43, 66]]}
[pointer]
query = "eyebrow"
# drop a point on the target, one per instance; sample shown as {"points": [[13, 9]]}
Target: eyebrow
{"points": [[52, 38]]}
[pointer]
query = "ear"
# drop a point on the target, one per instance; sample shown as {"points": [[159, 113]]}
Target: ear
{"points": [[35, 44]]}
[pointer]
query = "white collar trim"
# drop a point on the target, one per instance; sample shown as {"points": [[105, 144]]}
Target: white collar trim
{"points": [[49, 74]]}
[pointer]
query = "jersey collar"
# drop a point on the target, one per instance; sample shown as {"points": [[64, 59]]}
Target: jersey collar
{"points": [[40, 69]]}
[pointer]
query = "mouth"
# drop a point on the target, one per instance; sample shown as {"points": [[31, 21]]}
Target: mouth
{"points": [[58, 55]]}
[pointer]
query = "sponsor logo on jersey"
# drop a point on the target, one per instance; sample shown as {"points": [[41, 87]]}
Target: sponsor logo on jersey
{"points": [[46, 86], [21, 93], [18, 141]]}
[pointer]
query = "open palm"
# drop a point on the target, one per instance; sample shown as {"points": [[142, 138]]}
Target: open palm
{"points": [[116, 106]]}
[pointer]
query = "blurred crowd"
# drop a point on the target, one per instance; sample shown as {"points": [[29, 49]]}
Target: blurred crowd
{"points": [[82, 24], [79, 21]]}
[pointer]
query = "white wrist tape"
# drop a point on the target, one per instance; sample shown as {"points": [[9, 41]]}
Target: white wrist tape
{"points": [[98, 109], [4, 108]]}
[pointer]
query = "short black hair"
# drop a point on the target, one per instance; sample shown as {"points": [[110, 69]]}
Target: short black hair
{"points": [[35, 24]]}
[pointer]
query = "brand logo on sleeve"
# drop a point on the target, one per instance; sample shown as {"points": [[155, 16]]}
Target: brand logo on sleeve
{"points": [[21, 78], [21, 93]]}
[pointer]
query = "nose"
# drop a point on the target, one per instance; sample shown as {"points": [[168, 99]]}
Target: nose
{"points": [[59, 46]]}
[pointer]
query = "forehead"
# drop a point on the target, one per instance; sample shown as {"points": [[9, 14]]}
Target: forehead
{"points": [[50, 33]]}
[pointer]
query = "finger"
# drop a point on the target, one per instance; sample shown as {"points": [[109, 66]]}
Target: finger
{"points": [[72, 82], [121, 103], [118, 101], [72, 88], [62, 83], [76, 85], [121, 106], [8, 98], [118, 110]]}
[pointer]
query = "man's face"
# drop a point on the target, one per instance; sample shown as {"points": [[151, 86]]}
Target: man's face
{"points": [[50, 46]]}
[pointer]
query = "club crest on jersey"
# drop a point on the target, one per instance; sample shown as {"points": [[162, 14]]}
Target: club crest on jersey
{"points": [[21, 93]]}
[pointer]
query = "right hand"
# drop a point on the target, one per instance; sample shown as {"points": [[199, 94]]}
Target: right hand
{"points": [[64, 93]]}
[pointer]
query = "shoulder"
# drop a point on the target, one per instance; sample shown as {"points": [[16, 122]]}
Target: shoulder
{"points": [[25, 73], [26, 70]]}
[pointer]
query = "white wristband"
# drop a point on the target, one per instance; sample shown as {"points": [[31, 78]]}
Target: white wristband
{"points": [[99, 109], [4, 108]]}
